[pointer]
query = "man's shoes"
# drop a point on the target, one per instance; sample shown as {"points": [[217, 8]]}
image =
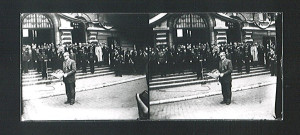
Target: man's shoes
{"points": [[227, 103], [71, 103], [223, 102], [67, 102]]}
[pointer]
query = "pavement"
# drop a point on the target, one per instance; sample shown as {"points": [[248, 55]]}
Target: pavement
{"points": [[252, 104], [114, 102], [169, 95], [58, 88]]}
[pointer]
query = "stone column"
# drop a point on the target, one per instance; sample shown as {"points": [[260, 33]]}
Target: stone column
{"points": [[171, 31], [211, 28], [56, 25]]}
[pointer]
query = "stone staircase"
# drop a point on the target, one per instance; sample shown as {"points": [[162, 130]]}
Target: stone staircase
{"points": [[34, 78], [190, 78]]}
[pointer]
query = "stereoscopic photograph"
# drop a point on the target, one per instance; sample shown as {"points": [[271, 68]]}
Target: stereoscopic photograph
{"points": [[214, 65], [151, 66], [84, 66]]}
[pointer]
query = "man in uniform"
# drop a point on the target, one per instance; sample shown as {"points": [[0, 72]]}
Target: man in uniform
{"points": [[171, 60], [83, 60], [119, 60], [247, 60], [225, 68], [179, 60], [260, 51], [239, 59], [162, 62], [152, 62], [43, 60], [273, 65], [91, 59], [199, 67], [69, 68], [26, 59]]}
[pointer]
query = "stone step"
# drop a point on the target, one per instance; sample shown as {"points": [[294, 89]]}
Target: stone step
{"points": [[186, 79], [204, 70], [34, 74], [191, 74], [191, 81], [88, 75], [38, 77]]}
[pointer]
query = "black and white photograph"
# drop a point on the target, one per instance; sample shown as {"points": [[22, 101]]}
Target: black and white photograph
{"points": [[214, 65], [189, 67], [84, 66]]}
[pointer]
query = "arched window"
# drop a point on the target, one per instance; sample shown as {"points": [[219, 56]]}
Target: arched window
{"points": [[36, 21], [190, 21]]}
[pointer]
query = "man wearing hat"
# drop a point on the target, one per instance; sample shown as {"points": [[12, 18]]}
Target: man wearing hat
{"points": [[225, 68], [69, 68]]}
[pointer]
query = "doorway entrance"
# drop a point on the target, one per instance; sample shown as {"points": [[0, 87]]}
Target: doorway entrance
{"points": [[191, 30], [267, 41], [78, 33], [233, 32], [37, 29], [113, 42]]}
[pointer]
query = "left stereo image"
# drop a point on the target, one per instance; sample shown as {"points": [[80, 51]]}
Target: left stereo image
{"points": [[84, 66]]}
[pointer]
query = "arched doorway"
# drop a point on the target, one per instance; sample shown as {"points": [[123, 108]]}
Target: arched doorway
{"points": [[233, 32], [190, 30], [78, 32], [37, 29]]}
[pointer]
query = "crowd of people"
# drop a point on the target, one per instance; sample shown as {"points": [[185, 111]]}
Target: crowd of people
{"points": [[158, 60], [193, 58], [86, 55]]}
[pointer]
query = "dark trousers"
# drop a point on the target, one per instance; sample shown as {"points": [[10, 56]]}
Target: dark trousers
{"points": [[239, 66], [92, 66], [78, 63], [163, 69], [84, 63], [199, 70], [226, 91], [247, 64], [180, 67], [39, 66], [273, 68], [44, 69], [118, 69], [267, 62], [171, 66], [254, 63], [70, 91], [34, 63], [25, 67]]}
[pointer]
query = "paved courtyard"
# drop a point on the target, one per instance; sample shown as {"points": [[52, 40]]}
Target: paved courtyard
{"points": [[115, 102], [258, 103]]}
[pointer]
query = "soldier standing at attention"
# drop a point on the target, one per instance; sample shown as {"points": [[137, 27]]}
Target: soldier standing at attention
{"points": [[44, 60], [83, 60], [92, 58]]}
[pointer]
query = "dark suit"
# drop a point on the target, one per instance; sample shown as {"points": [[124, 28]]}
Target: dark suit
{"points": [[225, 67], [69, 68]]}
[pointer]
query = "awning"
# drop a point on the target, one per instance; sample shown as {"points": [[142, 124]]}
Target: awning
{"points": [[157, 17], [228, 18], [71, 18]]}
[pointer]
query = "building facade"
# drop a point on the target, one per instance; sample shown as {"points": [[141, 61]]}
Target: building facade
{"points": [[70, 28], [190, 29]]}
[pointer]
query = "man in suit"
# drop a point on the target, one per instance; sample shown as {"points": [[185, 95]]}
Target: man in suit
{"points": [[162, 62], [69, 68], [225, 68]]}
